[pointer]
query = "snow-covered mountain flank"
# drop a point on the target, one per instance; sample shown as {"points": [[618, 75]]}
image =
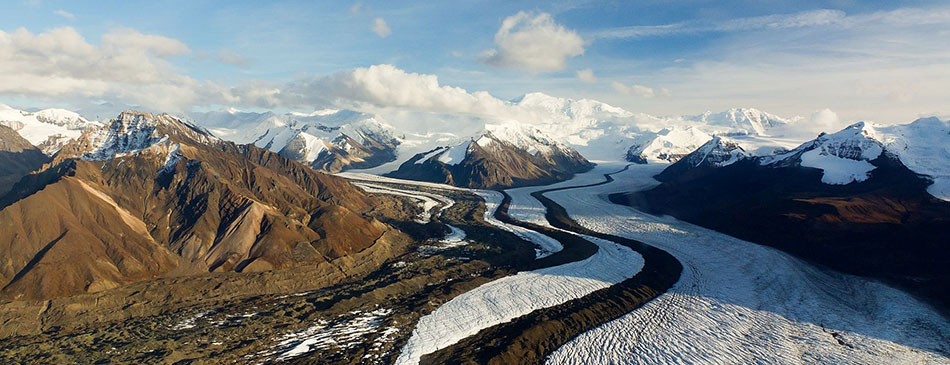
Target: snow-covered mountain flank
{"points": [[47, 129], [878, 190], [331, 140]]}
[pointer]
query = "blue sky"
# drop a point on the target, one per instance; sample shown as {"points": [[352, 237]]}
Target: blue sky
{"points": [[877, 60]]}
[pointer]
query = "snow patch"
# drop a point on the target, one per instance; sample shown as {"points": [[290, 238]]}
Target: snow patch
{"points": [[837, 170], [455, 155]]}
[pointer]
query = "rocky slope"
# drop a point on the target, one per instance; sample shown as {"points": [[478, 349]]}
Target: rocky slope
{"points": [[504, 155], [17, 158], [152, 195], [868, 200]]}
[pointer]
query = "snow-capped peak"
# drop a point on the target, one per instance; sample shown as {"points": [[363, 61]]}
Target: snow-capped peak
{"points": [[666, 145], [48, 129], [743, 120], [923, 146], [719, 152], [133, 131], [526, 137]]}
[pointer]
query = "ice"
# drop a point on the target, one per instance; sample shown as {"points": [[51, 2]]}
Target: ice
{"points": [[738, 302], [509, 297], [545, 245], [349, 330], [429, 155]]}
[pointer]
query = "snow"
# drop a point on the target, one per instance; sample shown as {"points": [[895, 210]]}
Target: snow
{"points": [[276, 139], [456, 154], [313, 146], [523, 136], [545, 245], [837, 170], [172, 158], [739, 302], [743, 121], [343, 332], [56, 125], [317, 129], [669, 144], [923, 146], [509, 297], [430, 155]]}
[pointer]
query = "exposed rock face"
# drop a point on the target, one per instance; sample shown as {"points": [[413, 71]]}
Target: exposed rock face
{"points": [[718, 152], [152, 195], [17, 158], [504, 156], [846, 200]]}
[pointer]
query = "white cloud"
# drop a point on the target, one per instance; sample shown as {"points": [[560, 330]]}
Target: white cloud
{"points": [[778, 21], [126, 66], [639, 90], [355, 8], [457, 54], [381, 28], [378, 86], [533, 42], [228, 56], [885, 67], [587, 75], [825, 120], [65, 14]]}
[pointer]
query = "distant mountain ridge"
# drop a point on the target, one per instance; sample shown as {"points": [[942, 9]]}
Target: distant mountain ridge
{"points": [[48, 129], [329, 140], [503, 155]]}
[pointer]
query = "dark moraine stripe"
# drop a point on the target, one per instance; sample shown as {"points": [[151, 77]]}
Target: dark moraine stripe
{"points": [[529, 339]]}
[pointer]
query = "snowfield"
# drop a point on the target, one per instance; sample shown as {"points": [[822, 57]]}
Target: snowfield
{"points": [[738, 302]]}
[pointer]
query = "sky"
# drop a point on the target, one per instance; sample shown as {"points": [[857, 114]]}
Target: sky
{"points": [[882, 61]]}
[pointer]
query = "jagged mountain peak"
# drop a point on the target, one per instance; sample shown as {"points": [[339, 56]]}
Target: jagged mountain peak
{"points": [[719, 151], [133, 131]]}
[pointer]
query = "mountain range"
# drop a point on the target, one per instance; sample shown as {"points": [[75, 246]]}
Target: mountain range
{"points": [[870, 200], [148, 196]]}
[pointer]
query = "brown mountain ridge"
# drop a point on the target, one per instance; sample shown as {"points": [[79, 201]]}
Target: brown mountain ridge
{"points": [[151, 195]]}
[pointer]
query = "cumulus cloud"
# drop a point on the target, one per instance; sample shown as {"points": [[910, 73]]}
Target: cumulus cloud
{"points": [[534, 43], [639, 90], [378, 86], [381, 28], [65, 14], [355, 8], [586, 75], [127, 66], [825, 120]]}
